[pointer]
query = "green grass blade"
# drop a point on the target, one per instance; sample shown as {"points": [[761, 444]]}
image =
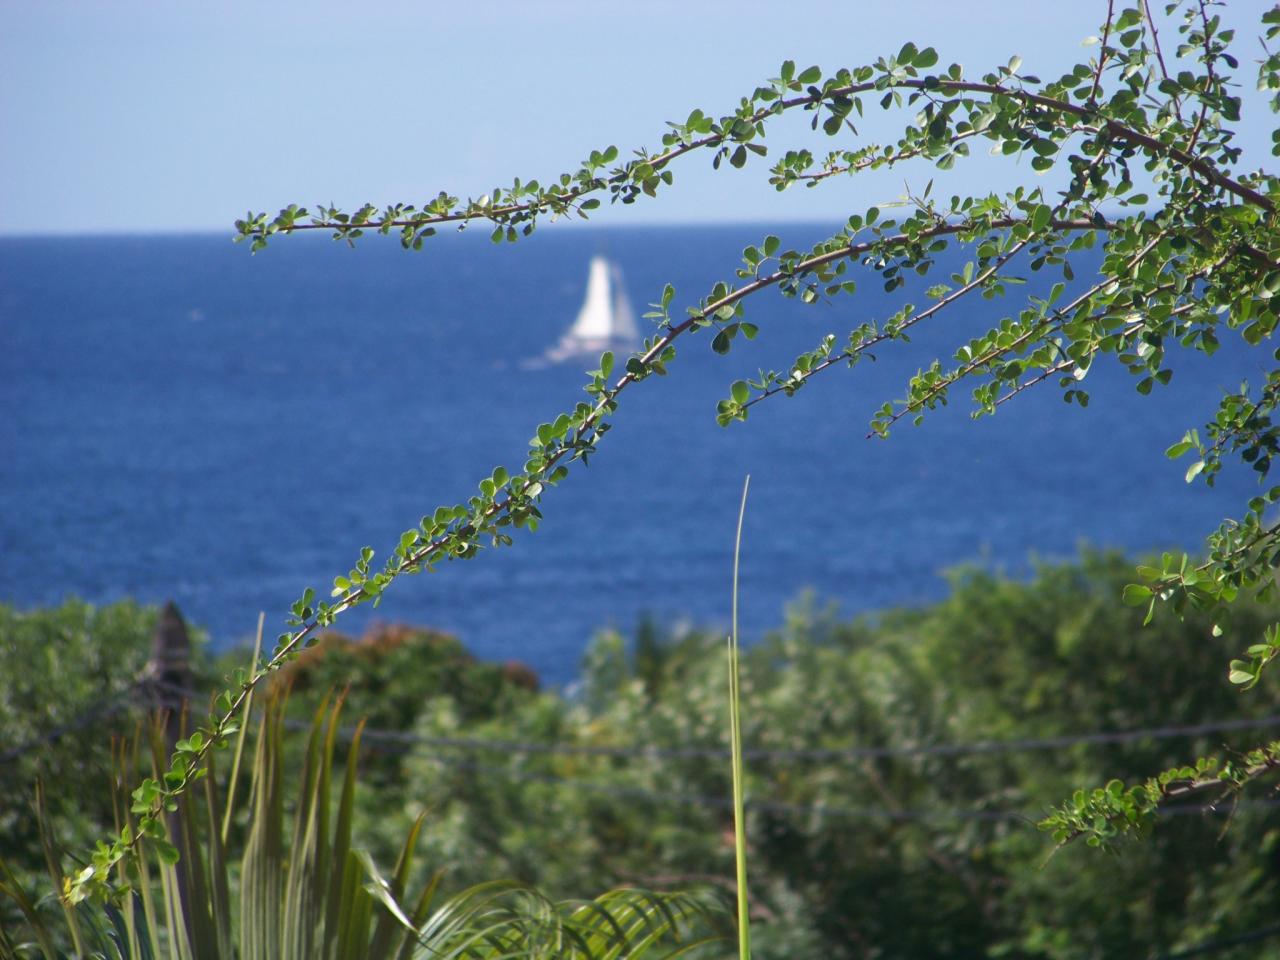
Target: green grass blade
{"points": [[54, 867], [735, 745], [409, 942], [301, 913], [341, 842], [260, 876], [385, 928], [11, 888], [239, 751], [219, 883]]}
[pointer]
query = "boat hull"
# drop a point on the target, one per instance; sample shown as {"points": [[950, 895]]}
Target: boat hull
{"points": [[572, 348]]}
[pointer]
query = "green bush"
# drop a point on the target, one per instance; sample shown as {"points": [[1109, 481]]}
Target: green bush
{"points": [[911, 855], [907, 855], [68, 678]]}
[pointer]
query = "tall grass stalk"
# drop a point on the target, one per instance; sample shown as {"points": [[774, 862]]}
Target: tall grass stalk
{"points": [[735, 747], [244, 728]]}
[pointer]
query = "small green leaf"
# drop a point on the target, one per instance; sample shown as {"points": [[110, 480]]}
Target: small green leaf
{"points": [[1240, 672], [1136, 594], [166, 851]]}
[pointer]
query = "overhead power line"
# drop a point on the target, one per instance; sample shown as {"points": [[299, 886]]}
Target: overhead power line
{"points": [[406, 740], [159, 694], [92, 714], [144, 693], [814, 809]]}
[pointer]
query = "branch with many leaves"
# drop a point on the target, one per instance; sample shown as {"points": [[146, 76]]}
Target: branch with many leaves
{"points": [[1203, 258], [1106, 813]]}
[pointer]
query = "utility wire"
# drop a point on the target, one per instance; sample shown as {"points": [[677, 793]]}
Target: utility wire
{"points": [[403, 739], [158, 693], [819, 809], [406, 739], [97, 711], [146, 693]]}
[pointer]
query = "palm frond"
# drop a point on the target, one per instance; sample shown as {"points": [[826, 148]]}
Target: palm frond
{"points": [[305, 892]]}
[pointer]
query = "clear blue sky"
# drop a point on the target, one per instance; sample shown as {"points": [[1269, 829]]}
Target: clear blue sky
{"points": [[149, 116]]}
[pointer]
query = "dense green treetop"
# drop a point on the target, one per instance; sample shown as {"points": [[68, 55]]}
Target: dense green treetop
{"points": [[896, 765]]}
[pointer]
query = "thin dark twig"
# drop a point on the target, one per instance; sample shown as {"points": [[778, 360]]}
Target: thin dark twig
{"points": [[1102, 55], [1155, 42], [879, 159], [1036, 330], [1069, 363], [864, 345], [1209, 80]]}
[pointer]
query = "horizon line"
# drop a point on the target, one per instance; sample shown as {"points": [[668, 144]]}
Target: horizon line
{"points": [[125, 233], [230, 234]]}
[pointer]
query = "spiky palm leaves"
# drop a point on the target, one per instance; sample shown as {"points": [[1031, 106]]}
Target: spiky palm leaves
{"points": [[306, 892]]}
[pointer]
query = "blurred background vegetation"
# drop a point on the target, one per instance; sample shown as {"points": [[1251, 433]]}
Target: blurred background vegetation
{"points": [[896, 764]]}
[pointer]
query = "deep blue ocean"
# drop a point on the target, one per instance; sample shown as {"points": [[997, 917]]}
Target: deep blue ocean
{"points": [[179, 419]]}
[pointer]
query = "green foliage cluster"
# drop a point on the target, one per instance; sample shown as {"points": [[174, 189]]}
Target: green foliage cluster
{"points": [[866, 839], [70, 679], [883, 815], [1191, 253]]}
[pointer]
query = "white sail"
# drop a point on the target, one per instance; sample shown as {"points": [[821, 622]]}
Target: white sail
{"points": [[595, 319], [624, 319], [605, 321]]}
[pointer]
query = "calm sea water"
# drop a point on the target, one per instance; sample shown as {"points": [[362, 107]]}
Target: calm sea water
{"points": [[181, 420]]}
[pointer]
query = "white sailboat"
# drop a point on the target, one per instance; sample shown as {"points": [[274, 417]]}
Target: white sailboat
{"points": [[605, 321]]}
